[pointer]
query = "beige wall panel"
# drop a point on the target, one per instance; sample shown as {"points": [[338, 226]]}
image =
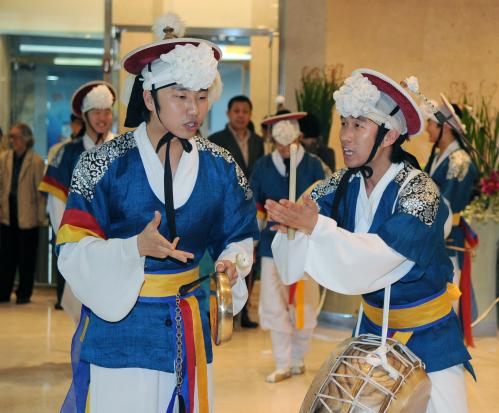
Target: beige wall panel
{"points": [[441, 42], [305, 42], [265, 14], [219, 13], [4, 90], [263, 77], [139, 13], [49, 16]]}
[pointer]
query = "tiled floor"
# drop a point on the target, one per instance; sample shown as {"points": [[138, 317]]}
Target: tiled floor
{"points": [[35, 369]]}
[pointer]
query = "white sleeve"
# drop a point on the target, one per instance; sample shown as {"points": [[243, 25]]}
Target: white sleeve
{"points": [[342, 261], [448, 221], [105, 275], [55, 208], [230, 253]]}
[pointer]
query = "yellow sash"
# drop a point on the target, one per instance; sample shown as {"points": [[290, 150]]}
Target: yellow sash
{"points": [[413, 317], [164, 285]]}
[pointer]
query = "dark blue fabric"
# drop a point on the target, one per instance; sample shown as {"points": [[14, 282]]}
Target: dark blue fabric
{"points": [[458, 193], [439, 346], [268, 183], [62, 170], [76, 399], [216, 214]]}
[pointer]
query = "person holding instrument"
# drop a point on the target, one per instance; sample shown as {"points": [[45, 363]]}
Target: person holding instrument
{"points": [[142, 210], [377, 223], [288, 312]]}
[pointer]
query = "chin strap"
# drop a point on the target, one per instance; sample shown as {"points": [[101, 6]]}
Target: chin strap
{"points": [[365, 170], [168, 180], [433, 150], [166, 139]]}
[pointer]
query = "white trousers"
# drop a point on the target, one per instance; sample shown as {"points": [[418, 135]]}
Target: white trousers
{"points": [[456, 280], [289, 349], [289, 345], [448, 391], [132, 390]]}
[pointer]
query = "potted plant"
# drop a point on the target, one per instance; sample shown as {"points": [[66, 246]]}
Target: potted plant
{"points": [[482, 126], [315, 94]]}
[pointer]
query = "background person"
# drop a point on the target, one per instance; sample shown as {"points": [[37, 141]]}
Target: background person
{"points": [[22, 212]]}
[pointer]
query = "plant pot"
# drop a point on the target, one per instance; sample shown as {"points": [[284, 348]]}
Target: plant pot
{"points": [[484, 274]]}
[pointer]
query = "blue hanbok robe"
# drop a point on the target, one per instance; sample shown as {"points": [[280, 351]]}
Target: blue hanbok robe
{"points": [[455, 175], [392, 237], [116, 189]]}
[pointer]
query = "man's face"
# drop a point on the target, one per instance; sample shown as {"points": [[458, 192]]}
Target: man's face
{"points": [[100, 120], [284, 150], [19, 144], [433, 130], [357, 136], [239, 115], [182, 111]]}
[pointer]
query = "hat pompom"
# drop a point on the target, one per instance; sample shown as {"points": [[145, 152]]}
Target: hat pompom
{"points": [[168, 20], [286, 131], [412, 84], [100, 97]]}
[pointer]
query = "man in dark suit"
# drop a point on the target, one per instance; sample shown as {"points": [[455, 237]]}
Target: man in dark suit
{"points": [[246, 147], [243, 144]]}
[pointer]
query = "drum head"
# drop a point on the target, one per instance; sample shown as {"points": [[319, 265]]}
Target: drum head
{"points": [[347, 382]]}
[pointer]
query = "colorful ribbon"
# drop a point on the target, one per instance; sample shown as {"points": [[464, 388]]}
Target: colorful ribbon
{"points": [[471, 241], [297, 296]]}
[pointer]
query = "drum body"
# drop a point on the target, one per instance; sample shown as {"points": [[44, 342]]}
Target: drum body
{"points": [[350, 382], [221, 312]]}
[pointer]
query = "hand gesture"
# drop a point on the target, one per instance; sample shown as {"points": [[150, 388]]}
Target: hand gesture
{"points": [[302, 215], [152, 244]]}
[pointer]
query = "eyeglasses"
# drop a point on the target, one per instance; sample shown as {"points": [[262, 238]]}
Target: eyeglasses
{"points": [[13, 137]]}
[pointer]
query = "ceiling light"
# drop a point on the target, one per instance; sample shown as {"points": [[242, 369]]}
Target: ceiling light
{"points": [[45, 48], [77, 61]]}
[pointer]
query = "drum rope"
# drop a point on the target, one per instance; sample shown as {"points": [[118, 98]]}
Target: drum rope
{"points": [[484, 315]]}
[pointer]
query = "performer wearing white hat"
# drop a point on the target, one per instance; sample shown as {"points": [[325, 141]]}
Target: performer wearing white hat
{"points": [[142, 210], [451, 167], [288, 312], [92, 102], [380, 222]]}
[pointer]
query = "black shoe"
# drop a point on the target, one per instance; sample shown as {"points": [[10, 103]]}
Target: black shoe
{"points": [[58, 306], [23, 300], [246, 322]]}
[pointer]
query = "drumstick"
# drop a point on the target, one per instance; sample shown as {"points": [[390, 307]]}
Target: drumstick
{"points": [[292, 182]]}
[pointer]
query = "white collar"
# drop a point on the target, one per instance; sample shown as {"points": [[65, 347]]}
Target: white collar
{"points": [[185, 176], [367, 206], [453, 146], [279, 162], [88, 143]]}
